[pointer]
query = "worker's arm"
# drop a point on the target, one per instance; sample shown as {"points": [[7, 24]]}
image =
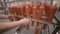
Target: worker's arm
{"points": [[4, 16], [6, 26]]}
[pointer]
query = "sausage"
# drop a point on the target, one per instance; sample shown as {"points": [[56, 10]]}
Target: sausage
{"points": [[21, 10], [31, 7], [27, 11], [37, 29], [50, 12], [17, 10], [47, 9], [40, 12], [34, 10], [11, 10], [38, 5], [27, 15]]}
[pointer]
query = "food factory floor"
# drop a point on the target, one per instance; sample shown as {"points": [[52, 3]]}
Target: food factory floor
{"points": [[13, 31]]}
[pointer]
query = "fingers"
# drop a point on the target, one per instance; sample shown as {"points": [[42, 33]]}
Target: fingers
{"points": [[25, 20]]}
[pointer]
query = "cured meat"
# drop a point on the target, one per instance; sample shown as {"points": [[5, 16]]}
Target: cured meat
{"points": [[12, 10], [17, 10], [27, 15], [31, 7], [34, 13], [37, 29], [50, 12], [40, 12], [22, 9]]}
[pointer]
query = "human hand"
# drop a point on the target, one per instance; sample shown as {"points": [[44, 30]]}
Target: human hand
{"points": [[14, 18], [24, 21]]}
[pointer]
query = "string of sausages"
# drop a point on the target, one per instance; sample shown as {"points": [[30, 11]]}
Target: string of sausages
{"points": [[44, 12]]}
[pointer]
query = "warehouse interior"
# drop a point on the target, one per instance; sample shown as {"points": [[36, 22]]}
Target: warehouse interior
{"points": [[43, 15]]}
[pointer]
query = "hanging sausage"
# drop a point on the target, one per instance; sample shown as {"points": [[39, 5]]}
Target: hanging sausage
{"points": [[38, 5], [34, 13], [44, 18], [17, 10], [40, 13], [50, 12], [27, 15], [31, 7], [39, 17], [22, 10], [37, 29], [12, 12]]}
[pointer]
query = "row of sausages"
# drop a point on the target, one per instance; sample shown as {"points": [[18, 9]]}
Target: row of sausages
{"points": [[38, 11]]}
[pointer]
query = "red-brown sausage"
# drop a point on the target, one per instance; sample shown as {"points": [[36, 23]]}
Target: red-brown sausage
{"points": [[11, 10], [50, 12], [37, 29], [34, 10], [27, 15], [22, 10]]}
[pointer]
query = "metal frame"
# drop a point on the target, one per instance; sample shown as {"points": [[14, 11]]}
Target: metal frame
{"points": [[58, 27]]}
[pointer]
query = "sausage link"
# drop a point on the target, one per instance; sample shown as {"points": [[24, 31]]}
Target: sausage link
{"points": [[22, 10], [42, 10], [37, 29], [27, 15], [40, 13], [11, 10], [34, 10], [31, 7], [50, 12], [17, 10]]}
